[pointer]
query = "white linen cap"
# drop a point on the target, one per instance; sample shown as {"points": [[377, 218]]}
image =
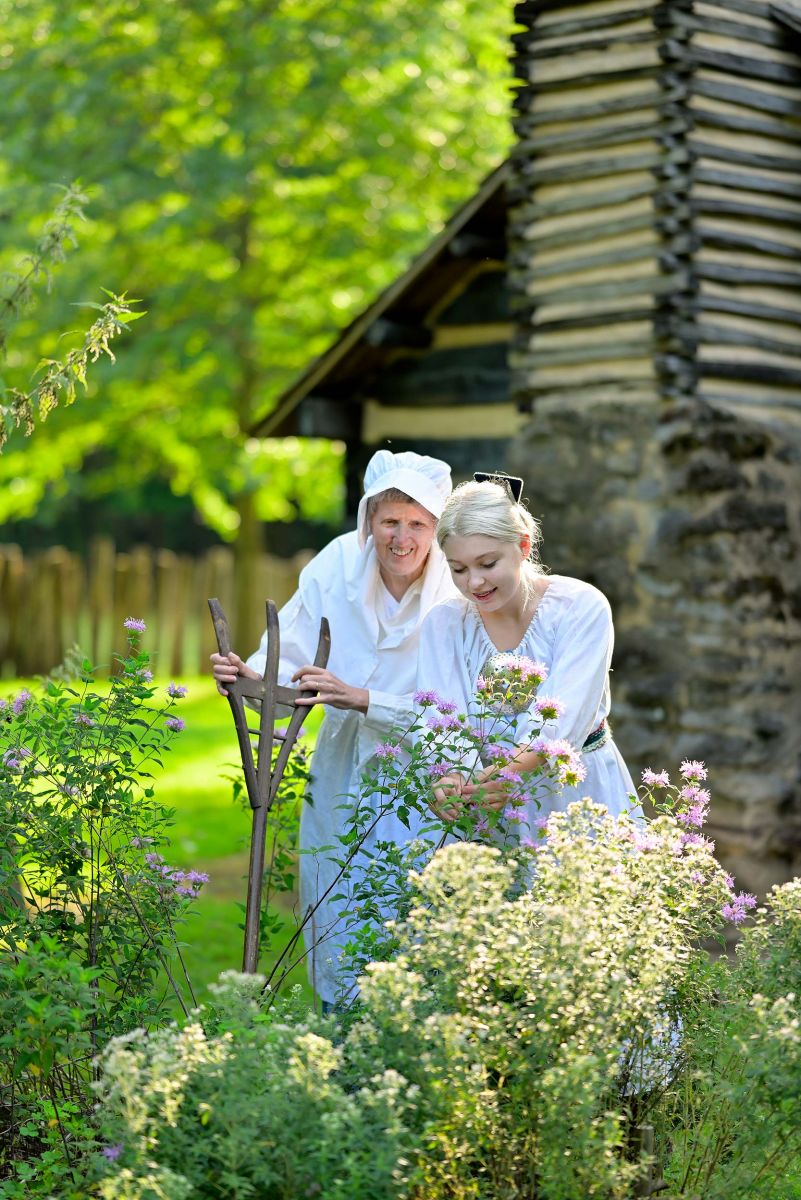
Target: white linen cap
{"points": [[426, 480]]}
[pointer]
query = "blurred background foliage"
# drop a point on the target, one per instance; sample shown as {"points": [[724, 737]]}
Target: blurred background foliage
{"points": [[256, 172]]}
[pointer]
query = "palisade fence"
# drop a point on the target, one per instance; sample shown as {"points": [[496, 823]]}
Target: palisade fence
{"points": [[54, 600]]}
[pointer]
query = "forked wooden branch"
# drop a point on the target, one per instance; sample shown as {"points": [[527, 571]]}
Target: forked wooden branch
{"points": [[262, 779]]}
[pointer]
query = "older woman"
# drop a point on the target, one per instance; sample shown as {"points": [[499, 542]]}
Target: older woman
{"points": [[375, 586], [510, 606]]}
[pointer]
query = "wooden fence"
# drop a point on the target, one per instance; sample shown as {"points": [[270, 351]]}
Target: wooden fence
{"points": [[54, 600]]}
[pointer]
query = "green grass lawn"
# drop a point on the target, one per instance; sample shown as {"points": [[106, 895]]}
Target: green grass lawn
{"points": [[211, 831]]}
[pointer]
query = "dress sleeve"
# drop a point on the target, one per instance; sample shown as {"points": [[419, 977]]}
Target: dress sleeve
{"points": [[579, 674], [443, 669], [441, 664], [386, 711]]}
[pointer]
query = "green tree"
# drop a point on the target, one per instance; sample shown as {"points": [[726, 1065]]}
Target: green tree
{"points": [[258, 169]]}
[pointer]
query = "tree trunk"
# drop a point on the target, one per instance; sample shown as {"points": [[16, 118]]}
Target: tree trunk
{"points": [[248, 618]]}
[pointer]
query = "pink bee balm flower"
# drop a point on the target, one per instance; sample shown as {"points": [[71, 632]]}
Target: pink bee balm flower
{"points": [[197, 876], [696, 839], [443, 723], [736, 910], [655, 778], [437, 770], [386, 750], [175, 723], [549, 708], [572, 774], [20, 701], [426, 698], [177, 690], [693, 794], [558, 749], [644, 841], [692, 769], [134, 625], [529, 668], [188, 883], [83, 719], [509, 775], [695, 815]]}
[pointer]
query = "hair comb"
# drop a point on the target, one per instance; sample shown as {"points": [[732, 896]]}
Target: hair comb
{"points": [[512, 482]]}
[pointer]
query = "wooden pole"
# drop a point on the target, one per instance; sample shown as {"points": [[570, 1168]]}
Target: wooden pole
{"points": [[262, 781]]}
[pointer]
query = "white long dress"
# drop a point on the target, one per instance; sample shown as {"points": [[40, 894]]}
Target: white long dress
{"points": [[572, 634], [374, 642]]}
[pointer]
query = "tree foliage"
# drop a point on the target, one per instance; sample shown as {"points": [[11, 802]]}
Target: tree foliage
{"points": [[258, 171], [59, 378]]}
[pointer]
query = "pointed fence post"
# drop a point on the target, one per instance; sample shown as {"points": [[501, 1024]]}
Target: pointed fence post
{"points": [[643, 1146], [262, 780]]}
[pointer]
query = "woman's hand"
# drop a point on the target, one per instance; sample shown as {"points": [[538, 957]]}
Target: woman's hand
{"points": [[226, 667], [494, 792], [447, 797], [328, 689], [488, 790]]}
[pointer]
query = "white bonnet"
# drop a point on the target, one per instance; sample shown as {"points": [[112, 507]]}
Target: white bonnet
{"points": [[426, 480]]}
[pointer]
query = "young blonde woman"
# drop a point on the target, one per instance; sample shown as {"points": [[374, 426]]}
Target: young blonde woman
{"points": [[510, 606]]}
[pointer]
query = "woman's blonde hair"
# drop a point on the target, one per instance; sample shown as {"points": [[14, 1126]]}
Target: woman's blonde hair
{"points": [[489, 509]]}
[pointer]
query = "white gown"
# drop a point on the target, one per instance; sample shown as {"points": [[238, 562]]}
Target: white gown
{"points": [[572, 634], [373, 645]]}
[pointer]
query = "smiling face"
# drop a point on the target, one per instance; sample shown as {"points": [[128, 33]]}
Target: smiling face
{"points": [[402, 535], [488, 571]]}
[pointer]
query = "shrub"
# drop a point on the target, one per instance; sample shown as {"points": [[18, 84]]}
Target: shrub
{"points": [[88, 904], [542, 1002], [731, 1131], [246, 1102]]}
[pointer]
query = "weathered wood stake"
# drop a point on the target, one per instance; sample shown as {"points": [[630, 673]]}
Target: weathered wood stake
{"points": [[263, 780]]}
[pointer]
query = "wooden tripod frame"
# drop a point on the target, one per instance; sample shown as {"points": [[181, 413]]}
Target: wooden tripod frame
{"points": [[263, 780]]}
